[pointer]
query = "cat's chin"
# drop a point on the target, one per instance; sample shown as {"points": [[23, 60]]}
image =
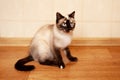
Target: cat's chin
{"points": [[70, 31]]}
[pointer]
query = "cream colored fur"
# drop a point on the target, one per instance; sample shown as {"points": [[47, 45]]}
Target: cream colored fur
{"points": [[48, 37]]}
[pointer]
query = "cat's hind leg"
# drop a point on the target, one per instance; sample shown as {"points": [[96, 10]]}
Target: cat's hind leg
{"points": [[58, 61]]}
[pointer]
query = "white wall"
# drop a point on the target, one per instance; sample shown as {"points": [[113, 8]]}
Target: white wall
{"points": [[95, 18]]}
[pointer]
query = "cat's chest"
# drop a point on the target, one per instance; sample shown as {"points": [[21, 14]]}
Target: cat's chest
{"points": [[62, 40]]}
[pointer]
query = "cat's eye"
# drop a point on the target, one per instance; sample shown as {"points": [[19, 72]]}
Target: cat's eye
{"points": [[64, 24], [71, 21], [72, 24]]}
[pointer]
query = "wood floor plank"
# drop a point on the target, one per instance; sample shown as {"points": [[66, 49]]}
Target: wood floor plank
{"points": [[95, 63], [8, 57]]}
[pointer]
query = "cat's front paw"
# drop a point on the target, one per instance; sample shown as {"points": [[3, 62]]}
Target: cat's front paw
{"points": [[62, 66], [73, 59]]}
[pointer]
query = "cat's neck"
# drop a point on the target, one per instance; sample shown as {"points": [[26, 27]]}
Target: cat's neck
{"points": [[61, 39]]}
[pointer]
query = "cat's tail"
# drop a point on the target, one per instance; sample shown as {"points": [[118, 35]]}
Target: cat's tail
{"points": [[20, 64]]}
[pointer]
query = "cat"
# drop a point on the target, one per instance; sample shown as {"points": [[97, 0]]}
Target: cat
{"points": [[47, 43]]}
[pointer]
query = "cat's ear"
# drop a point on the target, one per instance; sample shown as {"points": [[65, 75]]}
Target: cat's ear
{"points": [[58, 17], [72, 14]]}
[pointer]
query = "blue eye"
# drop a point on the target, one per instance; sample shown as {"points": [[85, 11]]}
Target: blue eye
{"points": [[64, 24], [72, 25]]}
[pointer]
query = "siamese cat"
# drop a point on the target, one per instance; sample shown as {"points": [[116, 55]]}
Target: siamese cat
{"points": [[48, 42]]}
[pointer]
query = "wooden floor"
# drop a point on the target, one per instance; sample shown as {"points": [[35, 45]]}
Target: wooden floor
{"points": [[95, 63]]}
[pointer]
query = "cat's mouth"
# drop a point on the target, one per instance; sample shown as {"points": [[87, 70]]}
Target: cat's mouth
{"points": [[68, 31]]}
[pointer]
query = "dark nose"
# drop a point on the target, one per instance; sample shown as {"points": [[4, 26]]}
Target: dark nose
{"points": [[68, 24]]}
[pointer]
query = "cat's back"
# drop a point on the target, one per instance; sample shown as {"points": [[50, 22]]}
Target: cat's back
{"points": [[45, 30], [43, 36], [40, 45]]}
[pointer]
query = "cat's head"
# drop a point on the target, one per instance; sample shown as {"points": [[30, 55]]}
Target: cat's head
{"points": [[65, 24]]}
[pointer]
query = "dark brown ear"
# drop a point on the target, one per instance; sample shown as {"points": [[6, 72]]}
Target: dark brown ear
{"points": [[72, 14], [58, 17]]}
